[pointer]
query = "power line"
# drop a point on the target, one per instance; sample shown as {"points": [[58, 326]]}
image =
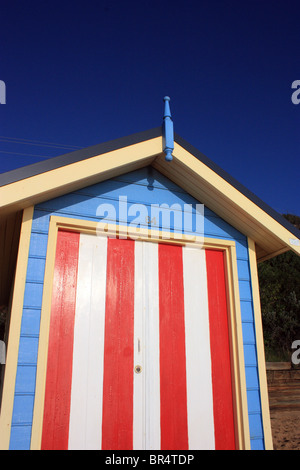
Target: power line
{"points": [[25, 154], [36, 142], [54, 146]]}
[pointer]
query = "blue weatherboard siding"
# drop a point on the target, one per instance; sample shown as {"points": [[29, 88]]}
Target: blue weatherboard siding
{"points": [[145, 186]]}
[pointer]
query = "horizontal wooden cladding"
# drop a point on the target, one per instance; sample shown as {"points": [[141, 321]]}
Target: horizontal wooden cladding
{"points": [[214, 192], [9, 242], [59, 181]]}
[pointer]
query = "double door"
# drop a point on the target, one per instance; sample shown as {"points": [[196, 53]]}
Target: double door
{"points": [[138, 354]]}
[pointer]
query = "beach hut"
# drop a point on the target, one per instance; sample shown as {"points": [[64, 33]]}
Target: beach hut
{"points": [[129, 274]]}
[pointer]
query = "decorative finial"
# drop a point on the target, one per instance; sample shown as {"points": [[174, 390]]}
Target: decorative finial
{"points": [[168, 131]]}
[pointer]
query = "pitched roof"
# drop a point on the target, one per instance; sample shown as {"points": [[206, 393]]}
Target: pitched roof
{"points": [[189, 168]]}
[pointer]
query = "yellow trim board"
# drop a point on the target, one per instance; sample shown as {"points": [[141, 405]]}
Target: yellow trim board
{"points": [[226, 201], [62, 180], [236, 342], [260, 348], [14, 330]]}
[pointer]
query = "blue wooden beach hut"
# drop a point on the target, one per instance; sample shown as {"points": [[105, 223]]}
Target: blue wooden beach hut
{"points": [[129, 272]]}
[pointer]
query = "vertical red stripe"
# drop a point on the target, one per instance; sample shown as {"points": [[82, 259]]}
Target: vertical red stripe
{"points": [[220, 351], [174, 428], [59, 366], [117, 421]]}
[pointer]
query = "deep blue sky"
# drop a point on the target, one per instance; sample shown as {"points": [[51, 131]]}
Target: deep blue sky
{"points": [[80, 73]]}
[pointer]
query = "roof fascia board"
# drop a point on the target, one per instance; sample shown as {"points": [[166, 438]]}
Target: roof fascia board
{"points": [[236, 184], [194, 172], [76, 175], [78, 155]]}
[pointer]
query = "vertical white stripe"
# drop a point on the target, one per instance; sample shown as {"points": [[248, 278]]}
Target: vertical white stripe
{"points": [[146, 409], [152, 386], [85, 429], [139, 346], [198, 358]]}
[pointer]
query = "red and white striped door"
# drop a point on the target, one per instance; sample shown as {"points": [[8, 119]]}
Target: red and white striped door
{"points": [[138, 352]]}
